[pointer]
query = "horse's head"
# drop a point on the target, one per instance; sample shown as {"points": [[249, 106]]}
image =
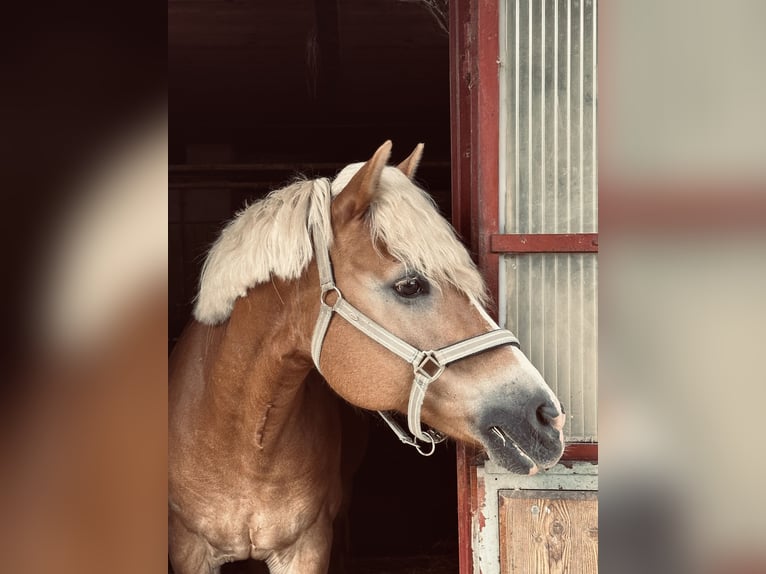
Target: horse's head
{"points": [[395, 259]]}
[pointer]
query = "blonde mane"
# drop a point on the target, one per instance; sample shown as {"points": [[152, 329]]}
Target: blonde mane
{"points": [[272, 237]]}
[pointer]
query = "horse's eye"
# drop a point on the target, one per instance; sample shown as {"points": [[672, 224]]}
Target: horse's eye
{"points": [[411, 287]]}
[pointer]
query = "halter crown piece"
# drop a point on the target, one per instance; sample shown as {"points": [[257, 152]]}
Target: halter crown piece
{"points": [[427, 365]]}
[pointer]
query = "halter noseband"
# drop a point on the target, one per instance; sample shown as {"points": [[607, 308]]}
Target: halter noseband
{"points": [[427, 365]]}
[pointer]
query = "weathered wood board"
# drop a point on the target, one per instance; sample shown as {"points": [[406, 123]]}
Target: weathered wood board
{"points": [[548, 532]]}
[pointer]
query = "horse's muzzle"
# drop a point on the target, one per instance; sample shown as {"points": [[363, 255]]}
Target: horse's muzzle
{"points": [[523, 436]]}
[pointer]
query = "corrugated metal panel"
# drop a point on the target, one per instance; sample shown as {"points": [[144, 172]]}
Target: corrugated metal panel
{"points": [[548, 91], [548, 185], [553, 309]]}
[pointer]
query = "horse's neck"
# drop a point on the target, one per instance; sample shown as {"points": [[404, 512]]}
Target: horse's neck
{"points": [[255, 371]]}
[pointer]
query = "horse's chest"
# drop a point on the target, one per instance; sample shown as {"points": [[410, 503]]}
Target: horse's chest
{"points": [[269, 518], [274, 526]]}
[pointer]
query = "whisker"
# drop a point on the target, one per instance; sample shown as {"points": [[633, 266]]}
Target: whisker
{"points": [[499, 433]]}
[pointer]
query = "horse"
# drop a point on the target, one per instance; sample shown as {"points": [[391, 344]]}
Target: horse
{"points": [[357, 288]]}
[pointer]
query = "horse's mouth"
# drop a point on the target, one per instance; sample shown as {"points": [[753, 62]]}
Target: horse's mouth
{"points": [[506, 452]]}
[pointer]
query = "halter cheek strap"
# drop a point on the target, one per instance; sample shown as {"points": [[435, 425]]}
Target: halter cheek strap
{"points": [[427, 365]]}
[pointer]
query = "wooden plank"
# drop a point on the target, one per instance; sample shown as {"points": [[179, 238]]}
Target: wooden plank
{"points": [[548, 532]]}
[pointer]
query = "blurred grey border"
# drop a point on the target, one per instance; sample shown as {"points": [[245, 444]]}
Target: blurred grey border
{"points": [[682, 307]]}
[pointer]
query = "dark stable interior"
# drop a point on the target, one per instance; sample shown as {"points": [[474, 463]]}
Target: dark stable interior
{"points": [[263, 91]]}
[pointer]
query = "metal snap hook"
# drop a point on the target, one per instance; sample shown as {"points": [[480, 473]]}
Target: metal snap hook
{"points": [[431, 440]]}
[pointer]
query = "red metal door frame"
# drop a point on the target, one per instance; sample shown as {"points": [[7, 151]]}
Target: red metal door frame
{"points": [[474, 128], [474, 105]]}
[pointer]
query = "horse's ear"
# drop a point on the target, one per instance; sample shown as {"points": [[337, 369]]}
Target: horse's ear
{"points": [[409, 165], [355, 198]]}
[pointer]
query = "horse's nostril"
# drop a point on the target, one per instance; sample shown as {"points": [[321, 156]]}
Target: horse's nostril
{"points": [[546, 413]]}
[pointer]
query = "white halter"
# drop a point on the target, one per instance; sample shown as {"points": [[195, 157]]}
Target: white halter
{"points": [[427, 365]]}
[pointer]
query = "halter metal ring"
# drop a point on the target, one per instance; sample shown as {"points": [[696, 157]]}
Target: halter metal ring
{"points": [[329, 288]]}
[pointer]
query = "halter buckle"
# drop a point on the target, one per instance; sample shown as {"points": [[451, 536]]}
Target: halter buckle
{"points": [[429, 367]]}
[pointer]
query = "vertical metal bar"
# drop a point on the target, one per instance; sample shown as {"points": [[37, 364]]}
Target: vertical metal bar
{"points": [[542, 191], [543, 324], [533, 294], [580, 285], [581, 44], [549, 68], [594, 156], [516, 283], [517, 122], [517, 141], [503, 191], [527, 316], [594, 345], [556, 116], [569, 119], [568, 335], [594, 153], [556, 218], [588, 189], [504, 122], [530, 61], [556, 314], [581, 339]]}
